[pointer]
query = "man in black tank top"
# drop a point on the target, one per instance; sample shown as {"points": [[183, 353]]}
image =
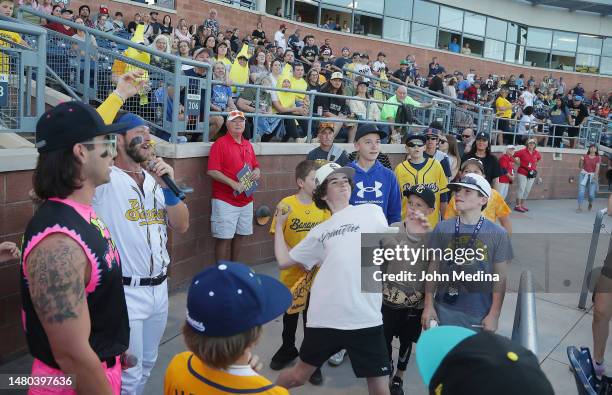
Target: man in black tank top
{"points": [[74, 311]]}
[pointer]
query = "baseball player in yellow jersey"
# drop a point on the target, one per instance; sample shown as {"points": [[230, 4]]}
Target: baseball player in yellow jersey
{"points": [[418, 170], [227, 304], [304, 215]]}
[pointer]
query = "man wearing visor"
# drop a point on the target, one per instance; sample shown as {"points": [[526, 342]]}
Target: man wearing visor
{"points": [[138, 207]]}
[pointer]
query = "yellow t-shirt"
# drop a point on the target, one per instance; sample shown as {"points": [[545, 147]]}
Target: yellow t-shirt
{"points": [[287, 71], [301, 219], [496, 208], [501, 102], [187, 374], [299, 84], [286, 99], [5, 63], [431, 175]]}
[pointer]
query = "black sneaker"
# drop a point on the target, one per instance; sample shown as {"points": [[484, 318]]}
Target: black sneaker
{"points": [[397, 386], [316, 378], [283, 357]]}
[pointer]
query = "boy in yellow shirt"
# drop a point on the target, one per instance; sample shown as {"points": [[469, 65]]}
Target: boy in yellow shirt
{"points": [[226, 306], [304, 215], [496, 209]]}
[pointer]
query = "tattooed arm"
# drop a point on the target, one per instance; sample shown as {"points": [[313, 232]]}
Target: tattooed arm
{"points": [[58, 271]]}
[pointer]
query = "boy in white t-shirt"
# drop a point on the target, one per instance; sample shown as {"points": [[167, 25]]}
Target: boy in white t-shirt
{"points": [[340, 315]]}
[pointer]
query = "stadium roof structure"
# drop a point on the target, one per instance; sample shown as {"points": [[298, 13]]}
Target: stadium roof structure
{"points": [[602, 7]]}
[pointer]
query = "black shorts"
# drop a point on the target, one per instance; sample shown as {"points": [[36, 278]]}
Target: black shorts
{"points": [[572, 132], [402, 323], [365, 347]]}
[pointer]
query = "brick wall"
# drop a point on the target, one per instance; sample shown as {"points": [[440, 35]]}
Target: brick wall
{"points": [[194, 249], [196, 11]]}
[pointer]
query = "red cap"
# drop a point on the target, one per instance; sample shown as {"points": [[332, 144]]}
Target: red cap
{"points": [[103, 10]]}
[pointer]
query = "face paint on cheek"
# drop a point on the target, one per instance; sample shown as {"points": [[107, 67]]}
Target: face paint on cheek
{"points": [[136, 141]]}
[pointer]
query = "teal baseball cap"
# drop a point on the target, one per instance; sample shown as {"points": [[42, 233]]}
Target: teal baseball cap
{"points": [[434, 344]]}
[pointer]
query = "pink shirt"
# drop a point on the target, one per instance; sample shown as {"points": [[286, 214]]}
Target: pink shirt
{"points": [[589, 164]]}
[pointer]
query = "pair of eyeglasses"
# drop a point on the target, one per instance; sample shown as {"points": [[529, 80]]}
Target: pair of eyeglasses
{"points": [[413, 145], [432, 138], [110, 145]]}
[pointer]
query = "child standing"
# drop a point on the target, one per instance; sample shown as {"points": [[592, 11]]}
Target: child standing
{"points": [[304, 215], [506, 162]]}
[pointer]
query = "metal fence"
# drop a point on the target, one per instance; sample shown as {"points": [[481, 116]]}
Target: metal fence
{"points": [[525, 327], [21, 63], [89, 66]]}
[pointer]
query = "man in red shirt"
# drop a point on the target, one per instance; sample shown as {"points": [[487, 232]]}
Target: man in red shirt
{"points": [[232, 199], [527, 159], [506, 162], [58, 27]]}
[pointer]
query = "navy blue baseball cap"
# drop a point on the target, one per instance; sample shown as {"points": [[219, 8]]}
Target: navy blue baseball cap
{"points": [[229, 298], [414, 136], [129, 122]]}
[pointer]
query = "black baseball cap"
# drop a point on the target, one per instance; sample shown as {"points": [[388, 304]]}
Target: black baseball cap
{"points": [[414, 136], [368, 129], [482, 136], [70, 123], [423, 192], [454, 361]]}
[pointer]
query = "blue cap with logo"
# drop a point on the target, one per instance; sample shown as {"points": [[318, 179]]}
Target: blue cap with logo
{"points": [[229, 298]]}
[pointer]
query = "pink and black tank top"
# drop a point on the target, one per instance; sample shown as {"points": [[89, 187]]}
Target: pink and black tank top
{"points": [[105, 298]]}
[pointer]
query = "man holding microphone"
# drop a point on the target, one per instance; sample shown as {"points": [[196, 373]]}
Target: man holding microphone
{"points": [[138, 207]]}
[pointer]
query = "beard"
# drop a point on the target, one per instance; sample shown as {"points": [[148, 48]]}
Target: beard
{"points": [[132, 149]]}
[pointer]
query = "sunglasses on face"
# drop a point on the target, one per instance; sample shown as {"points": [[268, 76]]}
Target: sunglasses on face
{"points": [[432, 138], [465, 136], [443, 141], [413, 145], [109, 143]]}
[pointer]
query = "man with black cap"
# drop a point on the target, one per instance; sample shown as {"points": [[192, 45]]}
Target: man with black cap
{"points": [[74, 312], [456, 361], [138, 207], [579, 113]]}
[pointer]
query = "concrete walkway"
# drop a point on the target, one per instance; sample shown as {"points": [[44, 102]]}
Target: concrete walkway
{"points": [[560, 322]]}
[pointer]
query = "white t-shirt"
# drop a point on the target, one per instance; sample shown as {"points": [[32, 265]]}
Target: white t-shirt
{"points": [[378, 65], [528, 98], [336, 299], [279, 38], [137, 222], [525, 122], [365, 70]]}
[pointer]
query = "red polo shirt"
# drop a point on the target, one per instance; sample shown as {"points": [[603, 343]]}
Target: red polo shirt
{"points": [[506, 162], [228, 157], [529, 160]]}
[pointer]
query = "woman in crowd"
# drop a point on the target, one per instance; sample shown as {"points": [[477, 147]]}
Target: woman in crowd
{"points": [[503, 110], [333, 107], [259, 36], [527, 159], [276, 69], [210, 42], [175, 46], [560, 117], [223, 55], [221, 97], [162, 44], [80, 34], [448, 145], [481, 150], [312, 78], [361, 108], [193, 29], [450, 89], [258, 68], [183, 49], [198, 39], [182, 31], [284, 104], [57, 11], [166, 26], [588, 177]]}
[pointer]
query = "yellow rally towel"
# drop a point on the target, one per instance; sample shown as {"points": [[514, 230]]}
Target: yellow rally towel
{"points": [[120, 67], [300, 290]]}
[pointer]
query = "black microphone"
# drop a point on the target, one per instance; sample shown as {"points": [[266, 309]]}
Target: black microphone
{"points": [[173, 187]]}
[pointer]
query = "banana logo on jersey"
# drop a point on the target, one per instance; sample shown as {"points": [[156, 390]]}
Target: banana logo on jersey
{"points": [[111, 255], [432, 186], [145, 217]]}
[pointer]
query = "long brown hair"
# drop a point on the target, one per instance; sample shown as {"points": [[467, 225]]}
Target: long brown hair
{"points": [[453, 149], [57, 174]]}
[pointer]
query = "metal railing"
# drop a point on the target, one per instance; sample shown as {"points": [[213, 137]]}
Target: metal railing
{"points": [[597, 226], [20, 66], [89, 66], [525, 327]]}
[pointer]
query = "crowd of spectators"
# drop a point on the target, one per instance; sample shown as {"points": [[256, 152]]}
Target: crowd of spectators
{"points": [[292, 60]]}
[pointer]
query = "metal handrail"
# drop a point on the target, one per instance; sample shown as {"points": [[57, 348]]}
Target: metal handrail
{"points": [[525, 327], [24, 116], [591, 257]]}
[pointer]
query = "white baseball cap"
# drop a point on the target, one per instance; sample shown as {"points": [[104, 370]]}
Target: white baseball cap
{"points": [[328, 169], [472, 181], [508, 148], [336, 75]]}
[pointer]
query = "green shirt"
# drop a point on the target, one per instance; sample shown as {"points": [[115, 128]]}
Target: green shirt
{"points": [[389, 110]]}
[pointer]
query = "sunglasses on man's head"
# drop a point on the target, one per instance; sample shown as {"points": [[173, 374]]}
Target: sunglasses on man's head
{"points": [[413, 145]]}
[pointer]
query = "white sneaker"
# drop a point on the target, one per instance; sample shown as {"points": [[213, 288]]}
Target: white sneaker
{"points": [[337, 358]]}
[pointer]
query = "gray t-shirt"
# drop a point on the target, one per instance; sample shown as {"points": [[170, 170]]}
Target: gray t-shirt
{"points": [[474, 298], [340, 157]]}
